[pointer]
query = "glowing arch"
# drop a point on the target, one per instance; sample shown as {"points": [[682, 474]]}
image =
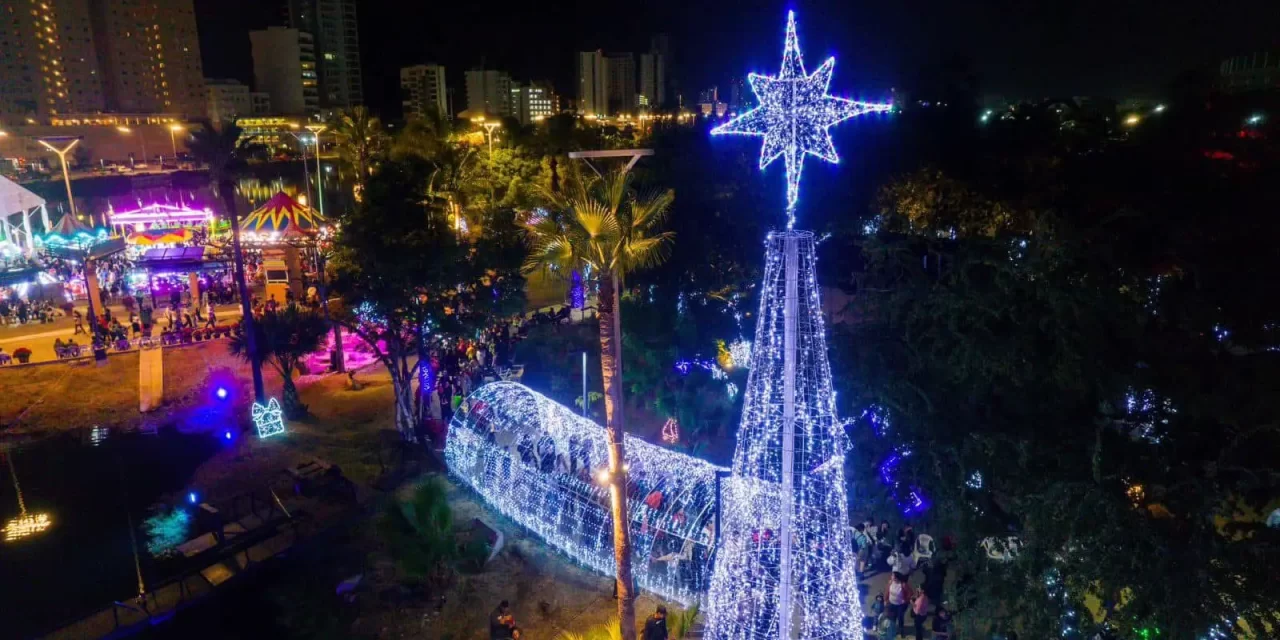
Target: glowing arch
{"points": [[536, 461]]}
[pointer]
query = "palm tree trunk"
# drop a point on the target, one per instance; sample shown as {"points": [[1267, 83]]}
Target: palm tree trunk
{"points": [[229, 202], [611, 371]]}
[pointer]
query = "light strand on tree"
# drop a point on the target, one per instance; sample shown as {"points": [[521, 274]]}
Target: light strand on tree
{"points": [[540, 464]]}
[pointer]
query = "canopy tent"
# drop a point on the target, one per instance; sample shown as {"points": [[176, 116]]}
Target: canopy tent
{"points": [[282, 218], [159, 236], [182, 259], [161, 215], [69, 227], [16, 200]]}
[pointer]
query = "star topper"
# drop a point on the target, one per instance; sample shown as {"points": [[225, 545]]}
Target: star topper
{"points": [[794, 114]]}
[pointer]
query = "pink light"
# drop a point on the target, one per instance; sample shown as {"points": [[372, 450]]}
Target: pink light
{"points": [[161, 214]]}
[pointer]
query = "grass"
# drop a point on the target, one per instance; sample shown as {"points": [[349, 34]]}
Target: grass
{"points": [[69, 395]]}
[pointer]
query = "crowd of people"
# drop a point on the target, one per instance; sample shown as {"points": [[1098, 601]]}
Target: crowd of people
{"points": [[880, 550]]}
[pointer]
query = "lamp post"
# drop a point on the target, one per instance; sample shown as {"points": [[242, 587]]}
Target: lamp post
{"points": [[490, 126], [141, 138], [174, 128], [316, 130], [62, 156], [306, 173]]}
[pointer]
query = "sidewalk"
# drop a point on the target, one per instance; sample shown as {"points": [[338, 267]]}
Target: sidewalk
{"points": [[39, 338]]}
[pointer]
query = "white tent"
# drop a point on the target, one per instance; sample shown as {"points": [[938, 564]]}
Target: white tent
{"points": [[15, 200]]}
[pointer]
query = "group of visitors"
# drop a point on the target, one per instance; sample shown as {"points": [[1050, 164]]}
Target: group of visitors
{"points": [[502, 624], [880, 550], [15, 311]]}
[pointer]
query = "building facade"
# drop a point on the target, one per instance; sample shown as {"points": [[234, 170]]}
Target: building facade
{"points": [[622, 83], [49, 65], [284, 67], [593, 84], [489, 93], [227, 99], [259, 103], [653, 91], [333, 25], [149, 53], [1258, 71], [423, 91], [534, 102]]}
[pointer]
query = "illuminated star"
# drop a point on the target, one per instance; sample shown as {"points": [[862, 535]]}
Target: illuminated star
{"points": [[794, 114]]}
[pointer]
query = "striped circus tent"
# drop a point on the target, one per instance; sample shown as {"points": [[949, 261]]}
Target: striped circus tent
{"points": [[283, 217]]}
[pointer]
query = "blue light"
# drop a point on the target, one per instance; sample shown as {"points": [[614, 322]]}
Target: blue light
{"points": [[222, 393], [226, 435], [192, 497], [794, 115]]}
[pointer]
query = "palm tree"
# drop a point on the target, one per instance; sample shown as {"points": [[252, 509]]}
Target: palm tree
{"points": [[360, 140], [283, 339], [603, 226], [225, 153]]}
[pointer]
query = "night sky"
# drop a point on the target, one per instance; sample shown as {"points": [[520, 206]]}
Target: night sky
{"points": [[1016, 48]]}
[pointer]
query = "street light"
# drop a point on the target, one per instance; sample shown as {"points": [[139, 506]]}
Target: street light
{"points": [[1132, 120], [174, 128], [62, 156], [306, 173], [142, 138], [316, 130], [490, 126]]}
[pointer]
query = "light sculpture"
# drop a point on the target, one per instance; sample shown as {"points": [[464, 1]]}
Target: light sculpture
{"points": [[269, 420], [540, 464], [785, 567], [794, 113]]}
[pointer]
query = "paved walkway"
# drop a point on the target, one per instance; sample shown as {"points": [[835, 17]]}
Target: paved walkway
{"points": [[150, 379]]}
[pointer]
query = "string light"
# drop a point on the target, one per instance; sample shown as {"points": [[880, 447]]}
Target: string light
{"points": [[745, 600], [671, 431], [794, 115], [269, 420], [543, 466], [26, 525]]}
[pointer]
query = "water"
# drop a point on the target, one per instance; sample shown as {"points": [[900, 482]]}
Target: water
{"points": [[89, 484]]}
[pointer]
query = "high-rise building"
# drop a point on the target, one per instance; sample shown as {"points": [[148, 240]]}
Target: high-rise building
{"points": [[739, 95], [227, 100], [333, 26], [533, 102], [284, 67], [149, 53], [622, 82], [259, 103], [1254, 72], [49, 65], [593, 84], [653, 90], [423, 91], [489, 93]]}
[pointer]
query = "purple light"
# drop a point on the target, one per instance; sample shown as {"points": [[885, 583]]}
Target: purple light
{"points": [[161, 214]]}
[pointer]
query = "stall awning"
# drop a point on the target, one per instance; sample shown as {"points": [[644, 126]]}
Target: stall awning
{"points": [[179, 259], [283, 217]]}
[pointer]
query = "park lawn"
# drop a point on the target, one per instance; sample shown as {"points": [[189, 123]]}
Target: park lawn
{"points": [[69, 395]]}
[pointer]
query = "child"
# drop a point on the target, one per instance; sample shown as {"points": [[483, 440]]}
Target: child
{"points": [[877, 611], [942, 624]]}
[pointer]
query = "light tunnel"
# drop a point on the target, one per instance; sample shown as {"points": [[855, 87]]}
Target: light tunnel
{"points": [[536, 461]]}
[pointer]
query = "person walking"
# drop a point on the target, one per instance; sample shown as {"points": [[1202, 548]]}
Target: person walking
{"points": [[79, 324], [212, 320], [501, 622], [655, 628]]}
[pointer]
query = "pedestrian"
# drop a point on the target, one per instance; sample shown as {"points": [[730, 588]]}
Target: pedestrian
{"points": [[942, 624], [897, 597], [212, 321], [877, 611], [920, 612], [862, 544], [499, 628], [655, 628], [79, 324], [902, 561]]}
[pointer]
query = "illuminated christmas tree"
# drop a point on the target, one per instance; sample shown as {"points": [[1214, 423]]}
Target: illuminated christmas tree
{"points": [[785, 565]]}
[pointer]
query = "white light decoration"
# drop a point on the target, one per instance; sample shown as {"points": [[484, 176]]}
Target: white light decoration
{"points": [[785, 565], [787, 396], [544, 466], [269, 420], [794, 114], [740, 351]]}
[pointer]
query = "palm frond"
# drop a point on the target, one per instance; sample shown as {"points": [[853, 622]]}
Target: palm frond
{"points": [[595, 218], [645, 252], [650, 210]]}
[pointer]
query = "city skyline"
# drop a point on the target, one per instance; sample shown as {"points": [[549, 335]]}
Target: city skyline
{"points": [[1120, 50]]}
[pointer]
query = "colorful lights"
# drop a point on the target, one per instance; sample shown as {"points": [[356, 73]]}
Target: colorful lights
{"points": [[671, 431], [544, 466], [269, 420], [794, 114]]}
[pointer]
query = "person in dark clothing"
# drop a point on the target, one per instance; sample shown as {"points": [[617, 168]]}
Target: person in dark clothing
{"points": [[655, 628], [501, 623], [941, 624]]}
